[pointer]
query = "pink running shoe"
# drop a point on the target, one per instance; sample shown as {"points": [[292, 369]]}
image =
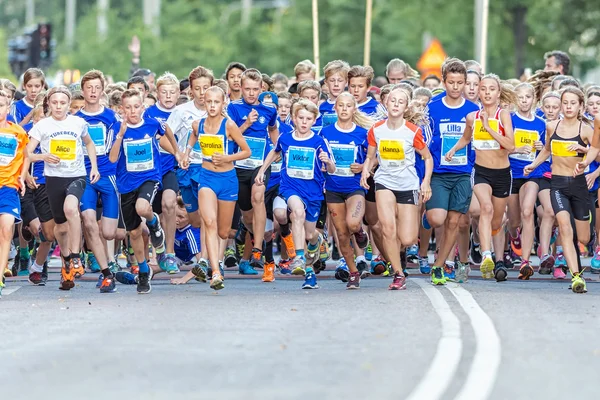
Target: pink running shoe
{"points": [[56, 252], [558, 273]]}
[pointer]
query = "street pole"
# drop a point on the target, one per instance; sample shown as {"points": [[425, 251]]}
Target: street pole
{"points": [[102, 21], [315, 15], [30, 13], [71, 6], [368, 18], [481, 31], [152, 16], [246, 12]]}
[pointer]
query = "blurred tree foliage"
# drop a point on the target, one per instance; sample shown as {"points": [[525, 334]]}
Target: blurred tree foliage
{"points": [[208, 32]]}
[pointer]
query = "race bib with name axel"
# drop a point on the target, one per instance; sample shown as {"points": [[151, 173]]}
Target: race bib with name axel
{"points": [[482, 139]]}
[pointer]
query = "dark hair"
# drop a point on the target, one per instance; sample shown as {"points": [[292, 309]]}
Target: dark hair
{"points": [[138, 79], [143, 72], [184, 84], [569, 82], [267, 79], [453, 66], [77, 95], [561, 58], [232, 65]]}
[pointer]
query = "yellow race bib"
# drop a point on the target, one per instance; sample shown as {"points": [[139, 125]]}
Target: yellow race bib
{"points": [[525, 138], [479, 131], [65, 149], [211, 144], [391, 150], [560, 148]]}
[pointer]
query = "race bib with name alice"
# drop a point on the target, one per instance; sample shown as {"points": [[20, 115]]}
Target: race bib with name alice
{"points": [[560, 148], [65, 149], [257, 146], [391, 153], [139, 156], [482, 139], [211, 144], [8, 148], [344, 156], [300, 162], [98, 135], [524, 137]]}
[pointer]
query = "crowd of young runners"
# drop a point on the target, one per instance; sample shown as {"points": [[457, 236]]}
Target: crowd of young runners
{"points": [[225, 173]]}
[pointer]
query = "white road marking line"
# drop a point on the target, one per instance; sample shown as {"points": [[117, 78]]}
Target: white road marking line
{"points": [[9, 290], [447, 357], [484, 369]]}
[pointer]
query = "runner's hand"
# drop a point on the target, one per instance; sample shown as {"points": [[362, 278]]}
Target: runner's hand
{"points": [[218, 159], [260, 177], [23, 188], [580, 167], [528, 169], [590, 179], [324, 157], [356, 168], [425, 192], [94, 175], [31, 182], [538, 145], [450, 154], [51, 158], [252, 117], [524, 149], [363, 180], [578, 148]]}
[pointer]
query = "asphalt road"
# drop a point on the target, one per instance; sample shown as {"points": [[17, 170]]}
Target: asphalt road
{"points": [[252, 340]]}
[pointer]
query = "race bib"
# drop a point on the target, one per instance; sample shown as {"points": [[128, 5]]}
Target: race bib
{"points": [[196, 152], [257, 146], [329, 119], [524, 137], [211, 144], [460, 157], [391, 153], [560, 148], [8, 148], [98, 135], [139, 156], [482, 139], [300, 162], [344, 155], [65, 149]]}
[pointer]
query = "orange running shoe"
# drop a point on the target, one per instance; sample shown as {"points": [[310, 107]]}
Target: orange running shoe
{"points": [[216, 282], [67, 275], [269, 272], [515, 243], [77, 267], [289, 245], [135, 269]]}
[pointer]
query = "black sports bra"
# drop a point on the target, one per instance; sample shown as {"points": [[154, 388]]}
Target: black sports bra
{"points": [[577, 138]]}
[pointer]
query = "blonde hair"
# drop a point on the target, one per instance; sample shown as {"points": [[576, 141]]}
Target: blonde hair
{"points": [[222, 83], [253, 74], [336, 67], [414, 112], [305, 85], [5, 95], [5, 85], [385, 90], [303, 104], [131, 93], [360, 71], [422, 91], [526, 86], [305, 67], [398, 64], [201, 72], [507, 93], [359, 118], [167, 79]]}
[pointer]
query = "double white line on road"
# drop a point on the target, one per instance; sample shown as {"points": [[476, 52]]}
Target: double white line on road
{"points": [[484, 368]]}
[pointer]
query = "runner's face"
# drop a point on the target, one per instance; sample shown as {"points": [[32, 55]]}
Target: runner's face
{"points": [[284, 108], [525, 100], [551, 108], [359, 89], [92, 90], [32, 88], [140, 88], [311, 95], [75, 106], [181, 218], [395, 76], [396, 103], [345, 108], [551, 65], [59, 105], [422, 100], [305, 76], [455, 85], [149, 102], [593, 105], [198, 88], [250, 90], [168, 95], [336, 84], [570, 105], [150, 80], [304, 120], [133, 108], [214, 103], [471, 91], [489, 92], [234, 79], [431, 84]]}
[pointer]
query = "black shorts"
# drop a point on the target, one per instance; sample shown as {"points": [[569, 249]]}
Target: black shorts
{"points": [[269, 197], [518, 183], [28, 213], [237, 216], [571, 195], [146, 191], [594, 198], [322, 215], [370, 196], [169, 182], [58, 189], [41, 203], [544, 183], [402, 196], [500, 180], [246, 178], [339, 198]]}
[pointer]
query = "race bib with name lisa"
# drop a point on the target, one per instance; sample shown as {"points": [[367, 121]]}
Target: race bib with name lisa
{"points": [[482, 139], [391, 153], [524, 137]]}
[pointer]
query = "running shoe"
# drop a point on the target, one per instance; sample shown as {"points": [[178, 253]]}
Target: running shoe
{"points": [[462, 272], [35, 278], [361, 265], [378, 266], [1, 287], [114, 267], [595, 263], [246, 269], [399, 282], [515, 243], [437, 276], [216, 282], [209, 271], [475, 252], [546, 264], [324, 251], [134, 268], [412, 254], [284, 267], [353, 281], [526, 271], [157, 235], [362, 239], [449, 272], [560, 261], [56, 252], [77, 267], [269, 272], [319, 266], [99, 281], [388, 269], [507, 258], [289, 242], [44, 273], [500, 271], [143, 284], [558, 272], [171, 266], [487, 267], [199, 273], [312, 255], [108, 285], [239, 249], [256, 261], [297, 266], [24, 266], [8, 272], [369, 252], [424, 266], [126, 278], [230, 259], [578, 284], [310, 281], [342, 273], [92, 263], [67, 275], [515, 260]]}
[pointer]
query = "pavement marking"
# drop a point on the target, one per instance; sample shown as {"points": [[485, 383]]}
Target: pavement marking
{"points": [[449, 349], [9, 290], [486, 362]]}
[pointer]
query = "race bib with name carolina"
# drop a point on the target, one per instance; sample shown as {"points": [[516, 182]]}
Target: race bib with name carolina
{"points": [[211, 144]]}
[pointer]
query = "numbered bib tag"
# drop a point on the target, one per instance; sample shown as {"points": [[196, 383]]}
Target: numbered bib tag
{"points": [[257, 146], [344, 156], [196, 152], [560, 148], [391, 153], [300, 162], [139, 156], [276, 167], [460, 157], [8, 148], [98, 135], [211, 144], [482, 139], [329, 119], [524, 137], [65, 149]]}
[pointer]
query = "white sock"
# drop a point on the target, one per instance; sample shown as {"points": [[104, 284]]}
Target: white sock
{"points": [[36, 268], [360, 258]]}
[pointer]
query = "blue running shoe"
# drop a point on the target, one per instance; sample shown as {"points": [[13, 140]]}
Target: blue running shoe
{"points": [[449, 272], [595, 263], [424, 266], [310, 281], [369, 252], [108, 285], [126, 278], [560, 261], [99, 283], [171, 264], [92, 262], [412, 254], [161, 259], [424, 222], [114, 267], [246, 269], [378, 266], [342, 273]]}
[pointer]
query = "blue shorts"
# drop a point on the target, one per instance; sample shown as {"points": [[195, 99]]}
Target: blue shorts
{"points": [[312, 208], [106, 187], [189, 194], [224, 184], [10, 203]]}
